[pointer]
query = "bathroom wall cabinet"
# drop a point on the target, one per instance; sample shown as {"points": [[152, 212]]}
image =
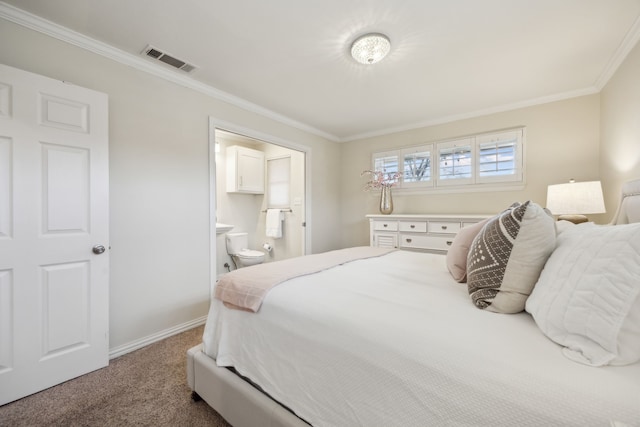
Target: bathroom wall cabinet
{"points": [[245, 170], [429, 233]]}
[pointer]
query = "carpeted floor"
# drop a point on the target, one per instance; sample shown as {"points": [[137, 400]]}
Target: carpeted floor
{"points": [[147, 387]]}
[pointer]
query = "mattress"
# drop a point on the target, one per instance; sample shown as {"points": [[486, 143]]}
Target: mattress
{"points": [[395, 340]]}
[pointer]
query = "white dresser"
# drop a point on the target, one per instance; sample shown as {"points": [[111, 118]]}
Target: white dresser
{"points": [[432, 233]]}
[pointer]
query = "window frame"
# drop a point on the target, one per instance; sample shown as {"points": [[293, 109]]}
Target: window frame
{"points": [[452, 144], [476, 182], [384, 155], [405, 152], [518, 163]]}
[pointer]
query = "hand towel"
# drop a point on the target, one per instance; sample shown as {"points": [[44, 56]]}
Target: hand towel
{"points": [[274, 223]]}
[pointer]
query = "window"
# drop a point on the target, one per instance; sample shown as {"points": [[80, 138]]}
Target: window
{"points": [[278, 182], [386, 162], [455, 165], [500, 157], [477, 160], [416, 166]]}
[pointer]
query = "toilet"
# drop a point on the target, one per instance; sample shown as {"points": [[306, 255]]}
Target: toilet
{"points": [[237, 247]]}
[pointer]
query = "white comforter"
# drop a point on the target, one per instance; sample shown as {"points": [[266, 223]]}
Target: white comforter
{"points": [[395, 341]]}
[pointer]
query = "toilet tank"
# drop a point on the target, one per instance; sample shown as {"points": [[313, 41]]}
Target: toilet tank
{"points": [[236, 242]]}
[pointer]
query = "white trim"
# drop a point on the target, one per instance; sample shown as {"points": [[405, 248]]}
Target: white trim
{"points": [[629, 42], [159, 336], [36, 23], [454, 189], [478, 113], [213, 219], [465, 188]]}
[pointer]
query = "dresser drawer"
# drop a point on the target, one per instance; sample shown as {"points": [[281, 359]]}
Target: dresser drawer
{"points": [[443, 227], [419, 232], [385, 225], [415, 226], [438, 243]]}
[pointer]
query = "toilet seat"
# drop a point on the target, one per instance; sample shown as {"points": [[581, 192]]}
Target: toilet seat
{"points": [[250, 253], [248, 257], [242, 256]]}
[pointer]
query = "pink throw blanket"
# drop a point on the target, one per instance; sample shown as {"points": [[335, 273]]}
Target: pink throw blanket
{"points": [[245, 288]]}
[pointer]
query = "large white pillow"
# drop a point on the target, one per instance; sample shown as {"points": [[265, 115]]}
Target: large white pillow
{"points": [[588, 295], [507, 256]]}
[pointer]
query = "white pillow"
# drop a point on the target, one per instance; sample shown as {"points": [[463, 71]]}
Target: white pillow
{"points": [[563, 225], [588, 296]]}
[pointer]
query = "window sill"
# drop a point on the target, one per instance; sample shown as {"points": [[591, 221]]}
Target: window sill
{"points": [[453, 189]]}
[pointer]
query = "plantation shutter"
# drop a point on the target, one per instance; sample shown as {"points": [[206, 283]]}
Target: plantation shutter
{"points": [[500, 157]]}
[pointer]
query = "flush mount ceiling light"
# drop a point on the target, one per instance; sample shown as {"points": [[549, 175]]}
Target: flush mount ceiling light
{"points": [[370, 48]]}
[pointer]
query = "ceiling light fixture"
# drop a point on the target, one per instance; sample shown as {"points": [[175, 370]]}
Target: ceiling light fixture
{"points": [[370, 48]]}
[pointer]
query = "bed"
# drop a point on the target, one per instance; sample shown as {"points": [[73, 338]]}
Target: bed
{"points": [[394, 339]]}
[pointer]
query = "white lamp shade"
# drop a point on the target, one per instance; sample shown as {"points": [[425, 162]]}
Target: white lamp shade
{"points": [[575, 198]]}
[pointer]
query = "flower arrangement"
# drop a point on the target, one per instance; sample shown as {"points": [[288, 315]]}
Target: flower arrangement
{"points": [[380, 179]]}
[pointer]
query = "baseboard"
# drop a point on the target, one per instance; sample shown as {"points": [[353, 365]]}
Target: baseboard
{"points": [[143, 342]]}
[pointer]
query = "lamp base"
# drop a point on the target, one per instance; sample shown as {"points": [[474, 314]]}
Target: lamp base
{"points": [[576, 219]]}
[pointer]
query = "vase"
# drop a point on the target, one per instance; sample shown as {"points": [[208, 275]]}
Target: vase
{"points": [[386, 201]]}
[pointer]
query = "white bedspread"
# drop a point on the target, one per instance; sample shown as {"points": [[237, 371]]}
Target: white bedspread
{"points": [[395, 341]]}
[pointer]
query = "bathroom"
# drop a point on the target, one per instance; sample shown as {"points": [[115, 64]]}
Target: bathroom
{"points": [[241, 207]]}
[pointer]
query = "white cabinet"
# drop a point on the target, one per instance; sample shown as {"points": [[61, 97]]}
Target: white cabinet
{"points": [[432, 233], [245, 170], [385, 233]]}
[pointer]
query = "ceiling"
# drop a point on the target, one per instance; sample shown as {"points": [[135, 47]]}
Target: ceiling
{"points": [[449, 59]]}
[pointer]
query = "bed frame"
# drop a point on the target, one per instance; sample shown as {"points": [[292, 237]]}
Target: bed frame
{"points": [[244, 405], [237, 400]]}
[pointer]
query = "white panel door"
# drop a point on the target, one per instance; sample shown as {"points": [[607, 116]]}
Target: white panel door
{"points": [[54, 274]]}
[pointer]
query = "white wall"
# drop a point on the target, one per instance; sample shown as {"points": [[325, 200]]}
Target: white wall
{"points": [[159, 179], [620, 129], [562, 142]]}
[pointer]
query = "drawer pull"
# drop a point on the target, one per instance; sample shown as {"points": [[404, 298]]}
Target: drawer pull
{"points": [[408, 240], [413, 226], [444, 227], [384, 225], [449, 242]]}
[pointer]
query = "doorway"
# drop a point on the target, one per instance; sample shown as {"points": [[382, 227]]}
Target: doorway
{"points": [[246, 211]]}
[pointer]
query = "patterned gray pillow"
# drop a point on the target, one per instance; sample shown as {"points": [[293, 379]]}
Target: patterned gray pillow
{"points": [[507, 256]]}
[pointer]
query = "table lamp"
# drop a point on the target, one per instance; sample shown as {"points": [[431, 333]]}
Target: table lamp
{"points": [[574, 200]]}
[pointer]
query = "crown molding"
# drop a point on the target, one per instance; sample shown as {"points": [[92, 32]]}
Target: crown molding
{"points": [[36, 23], [628, 43], [477, 113], [51, 29]]}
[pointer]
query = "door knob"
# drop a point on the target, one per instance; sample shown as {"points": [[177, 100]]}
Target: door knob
{"points": [[98, 249]]}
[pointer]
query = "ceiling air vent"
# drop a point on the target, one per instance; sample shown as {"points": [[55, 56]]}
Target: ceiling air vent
{"points": [[154, 53]]}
